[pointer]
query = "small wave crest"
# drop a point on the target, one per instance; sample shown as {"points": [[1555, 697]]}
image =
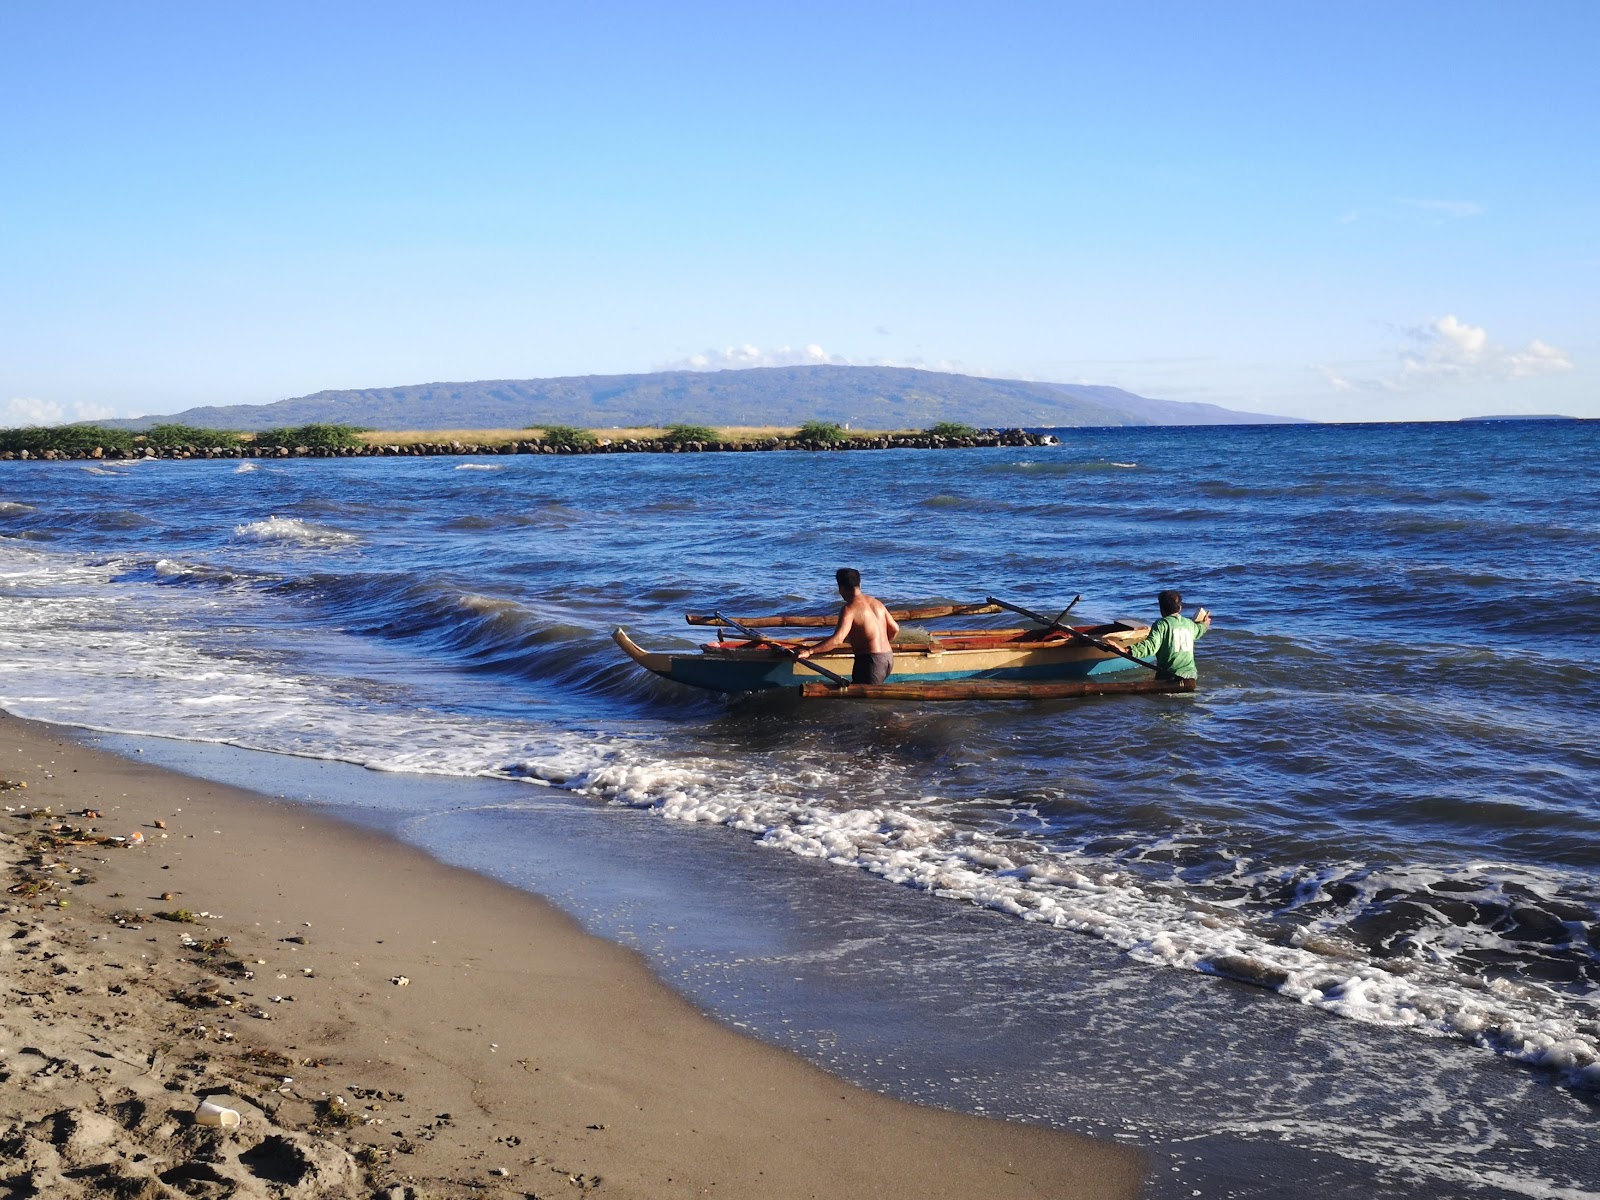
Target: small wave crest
{"points": [[474, 631], [169, 570], [294, 531], [973, 504]]}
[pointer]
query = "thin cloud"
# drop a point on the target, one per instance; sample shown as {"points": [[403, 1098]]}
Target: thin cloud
{"points": [[1335, 380], [30, 410], [1439, 211], [1455, 210], [733, 358], [1451, 353]]}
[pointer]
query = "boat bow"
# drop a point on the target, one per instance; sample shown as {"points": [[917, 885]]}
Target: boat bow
{"points": [[660, 664]]}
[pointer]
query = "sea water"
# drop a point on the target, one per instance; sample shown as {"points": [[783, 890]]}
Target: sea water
{"points": [[1334, 919]]}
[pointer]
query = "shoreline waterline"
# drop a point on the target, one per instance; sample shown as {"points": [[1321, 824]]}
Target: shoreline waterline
{"points": [[558, 1034], [1188, 1070]]}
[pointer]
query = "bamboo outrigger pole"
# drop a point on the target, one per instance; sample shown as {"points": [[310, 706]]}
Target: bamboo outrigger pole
{"points": [[927, 612], [995, 689]]}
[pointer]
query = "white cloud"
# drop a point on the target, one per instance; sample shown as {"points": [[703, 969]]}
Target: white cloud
{"points": [[1335, 380], [29, 410], [731, 358], [1451, 353]]}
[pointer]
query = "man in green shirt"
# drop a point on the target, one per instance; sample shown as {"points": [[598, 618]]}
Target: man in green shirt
{"points": [[1171, 639]]}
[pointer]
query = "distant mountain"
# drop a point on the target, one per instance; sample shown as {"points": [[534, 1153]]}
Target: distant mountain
{"points": [[864, 397]]}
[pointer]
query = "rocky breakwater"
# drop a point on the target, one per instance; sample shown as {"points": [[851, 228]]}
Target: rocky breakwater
{"points": [[663, 445]]}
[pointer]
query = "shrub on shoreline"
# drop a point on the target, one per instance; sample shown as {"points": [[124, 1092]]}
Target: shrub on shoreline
{"points": [[65, 439], [313, 437], [682, 435], [568, 435], [174, 436], [829, 432], [951, 429]]}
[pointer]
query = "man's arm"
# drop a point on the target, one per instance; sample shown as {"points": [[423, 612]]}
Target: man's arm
{"points": [[1152, 644], [836, 638], [890, 625]]}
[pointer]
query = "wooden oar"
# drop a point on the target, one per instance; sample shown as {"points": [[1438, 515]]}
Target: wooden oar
{"points": [[1062, 615], [1099, 643], [838, 679]]}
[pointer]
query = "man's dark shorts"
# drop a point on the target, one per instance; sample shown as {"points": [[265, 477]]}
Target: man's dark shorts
{"points": [[871, 668]]}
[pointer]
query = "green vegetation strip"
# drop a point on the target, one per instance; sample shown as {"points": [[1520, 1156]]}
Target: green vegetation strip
{"points": [[173, 440]]}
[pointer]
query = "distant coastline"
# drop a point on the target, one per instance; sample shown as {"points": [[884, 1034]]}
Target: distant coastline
{"points": [[80, 443], [1526, 417], [863, 397]]}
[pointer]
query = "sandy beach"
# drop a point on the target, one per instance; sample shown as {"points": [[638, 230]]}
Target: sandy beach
{"points": [[387, 1025]]}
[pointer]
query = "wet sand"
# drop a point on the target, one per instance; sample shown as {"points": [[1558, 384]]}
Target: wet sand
{"points": [[388, 1025]]}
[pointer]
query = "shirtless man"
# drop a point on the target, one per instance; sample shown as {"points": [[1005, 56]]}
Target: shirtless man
{"points": [[866, 624]]}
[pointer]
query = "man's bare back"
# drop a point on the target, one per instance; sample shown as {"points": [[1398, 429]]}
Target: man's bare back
{"points": [[864, 625]]}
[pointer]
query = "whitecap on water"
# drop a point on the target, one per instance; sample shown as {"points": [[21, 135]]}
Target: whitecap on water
{"points": [[292, 529]]}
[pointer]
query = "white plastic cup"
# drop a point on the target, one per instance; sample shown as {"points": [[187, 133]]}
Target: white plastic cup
{"points": [[214, 1114]]}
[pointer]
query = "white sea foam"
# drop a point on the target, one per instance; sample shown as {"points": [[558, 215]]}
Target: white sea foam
{"points": [[480, 467], [148, 669], [245, 468], [1161, 926], [167, 568], [293, 530]]}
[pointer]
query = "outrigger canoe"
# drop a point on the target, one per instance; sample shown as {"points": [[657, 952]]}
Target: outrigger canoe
{"points": [[961, 664]]}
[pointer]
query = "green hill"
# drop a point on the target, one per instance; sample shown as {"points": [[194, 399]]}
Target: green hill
{"points": [[863, 397]]}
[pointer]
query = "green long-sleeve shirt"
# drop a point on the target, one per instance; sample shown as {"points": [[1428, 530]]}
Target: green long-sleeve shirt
{"points": [[1171, 644]]}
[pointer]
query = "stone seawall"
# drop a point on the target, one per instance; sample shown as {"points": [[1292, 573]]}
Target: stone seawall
{"points": [[990, 438]]}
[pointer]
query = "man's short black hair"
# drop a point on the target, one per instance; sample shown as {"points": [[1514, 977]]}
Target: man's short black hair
{"points": [[1171, 601], [849, 579]]}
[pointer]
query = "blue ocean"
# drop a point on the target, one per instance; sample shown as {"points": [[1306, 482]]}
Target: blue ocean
{"points": [[1329, 927]]}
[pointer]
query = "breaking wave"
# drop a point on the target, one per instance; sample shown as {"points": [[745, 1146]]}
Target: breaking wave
{"points": [[295, 531]]}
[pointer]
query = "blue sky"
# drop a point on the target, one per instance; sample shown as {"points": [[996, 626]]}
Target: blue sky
{"points": [[1347, 211]]}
